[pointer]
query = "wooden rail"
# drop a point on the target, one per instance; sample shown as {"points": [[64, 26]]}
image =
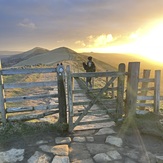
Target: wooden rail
{"points": [[137, 97], [26, 85], [95, 96], [154, 98]]}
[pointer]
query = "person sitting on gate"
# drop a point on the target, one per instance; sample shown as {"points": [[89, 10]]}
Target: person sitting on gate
{"points": [[89, 67]]}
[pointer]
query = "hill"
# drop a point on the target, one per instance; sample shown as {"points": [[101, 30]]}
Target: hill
{"points": [[14, 59], [40, 56], [50, 57], [110, 61], [104, 62]]}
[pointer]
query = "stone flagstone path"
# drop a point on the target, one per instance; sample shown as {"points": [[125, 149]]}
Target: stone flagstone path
{"points": [[97, 143], [91, 146]]}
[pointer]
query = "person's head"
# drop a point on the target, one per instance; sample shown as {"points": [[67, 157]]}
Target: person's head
{"points": [[89, 58]]}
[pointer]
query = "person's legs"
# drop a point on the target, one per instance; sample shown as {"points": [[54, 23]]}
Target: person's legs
{"points": [[90, 83], [88, 80]]}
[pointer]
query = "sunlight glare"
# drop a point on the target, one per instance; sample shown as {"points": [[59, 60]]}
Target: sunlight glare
{"points": [[150, 45], [145, 42]]}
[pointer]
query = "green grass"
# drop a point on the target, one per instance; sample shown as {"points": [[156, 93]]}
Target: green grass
{"points": [[22, 129]]}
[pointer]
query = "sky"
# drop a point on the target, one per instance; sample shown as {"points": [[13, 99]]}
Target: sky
{"points": [[82, 25]]}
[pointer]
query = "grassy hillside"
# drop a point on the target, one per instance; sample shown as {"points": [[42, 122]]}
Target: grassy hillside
{"points": [[50, 57], [14, 59]]}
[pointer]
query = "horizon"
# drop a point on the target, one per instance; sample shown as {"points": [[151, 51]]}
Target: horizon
{"points": [[148, 59]]}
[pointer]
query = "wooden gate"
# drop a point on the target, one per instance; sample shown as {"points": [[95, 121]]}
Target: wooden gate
{"points": [[96, 95], [32, 84]]}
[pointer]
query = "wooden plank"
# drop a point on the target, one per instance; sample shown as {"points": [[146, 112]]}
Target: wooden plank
{"points": [[145, 98], [76, 91], [107, 79], [31, 108], [94, 122], [146, 89], [23, 98], [52, 107], [108, 100], [104, 101], [111, 111], [157, 91], [97, 74], [19, 109], [45, 107], [94, 101], [51, 112], [145, 105], [92, 112], [25, 117], [30, 84], [77, 103], [31, 116], [146, 80], [14, 71], [86, 90]]}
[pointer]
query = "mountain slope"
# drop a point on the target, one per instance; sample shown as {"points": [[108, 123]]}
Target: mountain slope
{"points": [[50, 57], [14, 59]]}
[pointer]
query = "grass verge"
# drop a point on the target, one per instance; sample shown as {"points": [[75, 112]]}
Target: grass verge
{"points": [[22, 129]]}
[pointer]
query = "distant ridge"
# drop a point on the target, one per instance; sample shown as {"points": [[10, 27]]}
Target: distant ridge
{"points": [[14, 59], [7, 53], [51, 57], [39, 55]]}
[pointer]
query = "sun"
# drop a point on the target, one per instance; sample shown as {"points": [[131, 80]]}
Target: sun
{"points": [[150, 45], [146, 42]]}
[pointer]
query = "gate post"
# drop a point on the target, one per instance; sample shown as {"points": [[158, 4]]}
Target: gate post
{"points": [[120, 92], [132, 88], [157, 91], [61, 94], [2, 102], [70, 99]]}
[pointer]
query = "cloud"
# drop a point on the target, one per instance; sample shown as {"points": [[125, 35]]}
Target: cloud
{"points": [[26, 23], [102, 40], [81, 23], [80, 43]]}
